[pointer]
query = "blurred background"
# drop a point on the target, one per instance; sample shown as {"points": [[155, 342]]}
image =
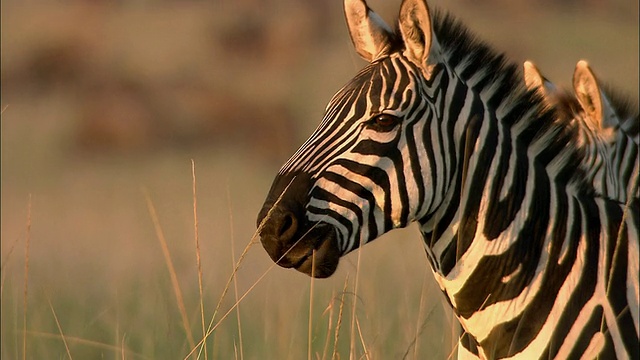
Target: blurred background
{"points": [[104, 101]]}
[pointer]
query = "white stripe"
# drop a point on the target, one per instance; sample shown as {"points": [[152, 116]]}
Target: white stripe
{"points": [[538, 345]]}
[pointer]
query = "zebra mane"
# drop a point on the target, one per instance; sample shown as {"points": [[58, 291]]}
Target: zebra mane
{"points": [[623, 104], [567, 105], [461, 49], [460, 46]]}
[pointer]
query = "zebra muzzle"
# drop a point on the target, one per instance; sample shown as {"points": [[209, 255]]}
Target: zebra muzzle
{"points": [[292, 242]]}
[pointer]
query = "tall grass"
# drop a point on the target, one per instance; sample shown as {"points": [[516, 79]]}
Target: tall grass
{"points": [[159, 315], [172, 271], [198, 259], [26, 280]]}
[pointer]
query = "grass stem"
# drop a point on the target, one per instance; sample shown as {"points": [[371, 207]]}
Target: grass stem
{"points": [[172, 271], [64, 341], [26, 280], [235, 278], [198, 259]]}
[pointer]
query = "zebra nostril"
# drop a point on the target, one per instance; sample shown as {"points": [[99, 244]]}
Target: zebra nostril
{"points": [[287, 227]]}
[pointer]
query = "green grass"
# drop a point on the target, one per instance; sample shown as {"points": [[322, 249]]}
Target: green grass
{"points": [[101, 265]]}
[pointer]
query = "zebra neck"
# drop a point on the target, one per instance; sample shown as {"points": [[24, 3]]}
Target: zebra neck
{"points": [[498, 130]]}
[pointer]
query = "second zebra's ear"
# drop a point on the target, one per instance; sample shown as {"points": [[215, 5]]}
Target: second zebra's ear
{"points": [[534, 80], [587, 92], [370, 35], [415, 27]]}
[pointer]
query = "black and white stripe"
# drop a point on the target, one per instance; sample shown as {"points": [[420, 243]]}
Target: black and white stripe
{"points": [[615, 127], [440, 130], [607, 125]]}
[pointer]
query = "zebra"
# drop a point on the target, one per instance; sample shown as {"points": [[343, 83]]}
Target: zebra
{"points": [[608, 129], [440, 129]]}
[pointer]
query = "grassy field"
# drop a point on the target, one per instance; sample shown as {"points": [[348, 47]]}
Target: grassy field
{"points": [[86, 231]]}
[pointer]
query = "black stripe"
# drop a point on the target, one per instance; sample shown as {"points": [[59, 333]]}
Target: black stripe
{"points": [[513, 336], [453, 110], [389, 150], [616, 277], [414, 157], [377, 176], [484, 286], [501, 213], [428, 146], [450, 255], [591, 327], [471, 206], [334, 215], [361, 192]]}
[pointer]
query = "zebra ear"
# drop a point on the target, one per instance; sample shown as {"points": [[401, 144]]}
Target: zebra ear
{"points": [[415, 27], [370, 35], [587, 91], [534, 80]]}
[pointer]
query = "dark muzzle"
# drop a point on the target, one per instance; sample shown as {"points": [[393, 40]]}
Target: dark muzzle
{"points": [[290, 239]]}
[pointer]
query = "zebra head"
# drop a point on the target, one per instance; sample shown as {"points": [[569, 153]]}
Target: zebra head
{"points": [[607, 128], [361, 173]]}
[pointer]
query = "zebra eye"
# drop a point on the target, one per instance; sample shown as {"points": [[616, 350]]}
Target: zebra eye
{"points": [[385, 122]]}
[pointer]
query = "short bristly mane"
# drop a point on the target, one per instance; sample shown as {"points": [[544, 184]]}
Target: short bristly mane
{"points": [[624, 106], [566, 104], [470, 57], [461, 48]]}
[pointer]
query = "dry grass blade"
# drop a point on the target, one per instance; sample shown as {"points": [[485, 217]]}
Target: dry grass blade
{"points": [[171, 268], [454, 325], [214, 327], [364, 346], [64, 341], [211, 327], [606, 332], [244, 252], [339, 322], [235, 278], [328, 336], [117, 321], [310, 329], [252, 241], [91, 343], [122, 349], [420, 325], [455, 347], [198, 259], [3, 109], [5, 262], [414, 342], [352, 346], [8, 256], [26, 280]]}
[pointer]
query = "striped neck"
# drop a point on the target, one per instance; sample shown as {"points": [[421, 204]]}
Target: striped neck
{"points": [[490, 117]]}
